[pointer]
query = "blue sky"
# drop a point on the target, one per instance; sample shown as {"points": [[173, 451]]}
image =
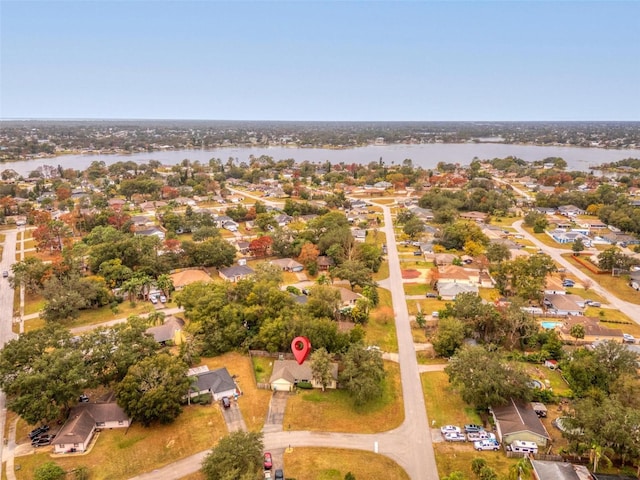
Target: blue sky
{"points": [[302, 60]]}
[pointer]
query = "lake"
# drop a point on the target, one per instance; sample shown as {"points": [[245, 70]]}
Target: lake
{"points": [[426, 155]]}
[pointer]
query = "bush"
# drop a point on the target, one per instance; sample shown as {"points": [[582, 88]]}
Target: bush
{"points": [[304, 385]]}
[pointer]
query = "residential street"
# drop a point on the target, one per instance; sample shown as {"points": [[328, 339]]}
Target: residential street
{"points": [[6, 311], [410, 445], [630, 309]]}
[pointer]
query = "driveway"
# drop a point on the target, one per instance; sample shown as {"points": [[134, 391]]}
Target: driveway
{"points": [[233, 417], [275, 416]]}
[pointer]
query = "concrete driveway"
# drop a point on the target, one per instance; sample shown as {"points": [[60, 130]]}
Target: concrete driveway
{"points": [[275, 416], [233, 417]]}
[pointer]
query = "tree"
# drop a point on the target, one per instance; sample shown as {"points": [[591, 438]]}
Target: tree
{"points": [[237, 456], [520, 469], [349, 476], [30, 273], [456, 234], [165, 284], [578, 246], [321, 367], [153, 389], [42, 373], [577, 332], [413, 227], [457, 475], [355, 271], [477, 464], [498, 252], [484, 380], [49, 471], [363, 373], [308, 254], [524, 277], [449, 337]]}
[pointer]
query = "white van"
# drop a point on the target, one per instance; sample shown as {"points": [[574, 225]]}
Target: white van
{"points": [[524, 447]]}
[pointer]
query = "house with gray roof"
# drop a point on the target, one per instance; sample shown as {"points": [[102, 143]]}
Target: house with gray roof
{"points": [[545, 470], [518, 421], [218, 383], [84, 420], [235, 273], [170, 330]]}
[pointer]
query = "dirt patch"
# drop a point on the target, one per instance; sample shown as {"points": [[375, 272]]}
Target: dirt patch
{"points": [[410, 273]]}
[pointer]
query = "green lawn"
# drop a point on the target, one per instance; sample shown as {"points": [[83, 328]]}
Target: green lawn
{"points": [[427, 305], [383, 272], [262, 368], [416, 288]]}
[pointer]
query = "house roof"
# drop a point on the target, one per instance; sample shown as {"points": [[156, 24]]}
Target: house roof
{"points": [[216, 381], [286, 263], [517, 417], [563, 302], [291, 371], [592, 327], [546, 470], [236, 271], [450, 289], [191, 275], [454, 272], [167, 330], [324, 261], [83, 419]]}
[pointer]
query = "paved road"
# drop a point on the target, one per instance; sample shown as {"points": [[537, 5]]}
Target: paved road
{"points": [[630, 309], [6, 312]]}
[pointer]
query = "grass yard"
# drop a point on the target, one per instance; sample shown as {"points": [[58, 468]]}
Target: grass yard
{"points": [[383, 272], [586, 294], [334, 411], [443, 403], [415, 288], [427, 306], [614, 284], [334, 464], [504, 221], [123, 453], [32, 303], [262, 368], [381, 327], [453, 457], [556, 382], [104, 314]]}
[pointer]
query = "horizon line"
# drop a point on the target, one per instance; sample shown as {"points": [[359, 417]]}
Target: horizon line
{"points": [[133, 119]]}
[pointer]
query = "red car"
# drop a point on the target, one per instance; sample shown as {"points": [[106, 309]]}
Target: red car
{"points": [[268, 463]]}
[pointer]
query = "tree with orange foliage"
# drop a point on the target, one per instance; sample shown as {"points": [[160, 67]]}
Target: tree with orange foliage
{"points": [[261, 246]]}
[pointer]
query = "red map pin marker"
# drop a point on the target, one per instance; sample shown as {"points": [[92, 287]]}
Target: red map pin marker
{"points": [[300, 346]]}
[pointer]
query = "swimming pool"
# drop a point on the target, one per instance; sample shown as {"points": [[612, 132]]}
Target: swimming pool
{"points": [[550, 325]]}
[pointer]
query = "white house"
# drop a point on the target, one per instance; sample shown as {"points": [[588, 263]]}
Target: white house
{"points": [[218, 383]]}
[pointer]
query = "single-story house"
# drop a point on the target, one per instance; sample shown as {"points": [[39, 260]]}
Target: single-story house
{"points": [[324, 263], [152, 231], [570, 210], [218, 383], [479, 217], [546, 470], [287, 373], [359, 234], [170, 330], [553, 286], [187, 276], [84, 419], [288, 264], [562, 236], [235, 273], [564, 304], [449, 290], [593, 331], [444, 258], [518, 421], [348, 297]]}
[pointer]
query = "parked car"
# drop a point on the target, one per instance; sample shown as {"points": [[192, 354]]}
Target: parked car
{"points": [[449, 429], [474, 437], [279, 474], [154, 300], [417, 253], [432, 295], [42, 440], [268, 461], [486, 445], [628, 338], [455, 437], [38, 431], [5, 274], [435, 314], [163, 299], [593, 303], [568, 283], [226, 403], [83, 398], [472, 428]]}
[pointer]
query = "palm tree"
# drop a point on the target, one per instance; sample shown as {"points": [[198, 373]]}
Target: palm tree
{"points": [[522, 467], [599, 453], [165, 283]]}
